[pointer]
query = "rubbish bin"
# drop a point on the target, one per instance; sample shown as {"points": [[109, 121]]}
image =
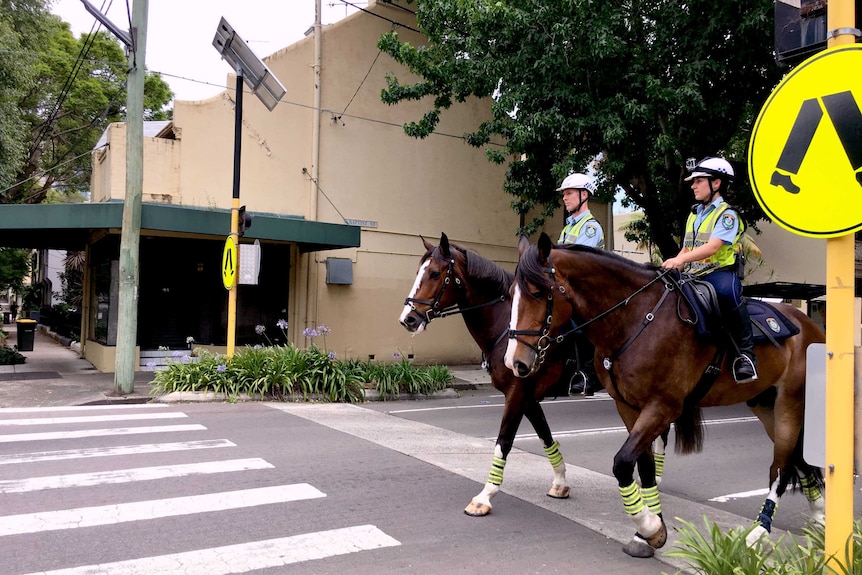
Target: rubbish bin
{"points": [[26, 334]]}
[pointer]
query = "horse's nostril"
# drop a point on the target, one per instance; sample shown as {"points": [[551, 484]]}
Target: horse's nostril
{"points": [[522, 369]]}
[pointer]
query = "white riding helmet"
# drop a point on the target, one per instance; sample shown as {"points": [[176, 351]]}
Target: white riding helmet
{"points": [[579, 182], [712, 168]]}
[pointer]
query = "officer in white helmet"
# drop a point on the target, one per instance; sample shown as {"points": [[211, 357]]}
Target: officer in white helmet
{"points": [[710, 251], [581, 228]]}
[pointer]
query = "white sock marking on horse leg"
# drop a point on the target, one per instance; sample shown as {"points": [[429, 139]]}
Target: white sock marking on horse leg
{"points": [[416, 283], [646, 522], [489, 490], [513, 323], [658, 449], [760, 532]]}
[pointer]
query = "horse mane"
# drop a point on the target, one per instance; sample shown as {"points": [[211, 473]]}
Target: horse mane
{"points": [[478, 268], [530, 270]]}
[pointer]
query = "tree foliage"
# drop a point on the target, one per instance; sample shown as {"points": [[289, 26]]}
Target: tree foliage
{"points": [[58, 93], [14, 267], [631, 88]]}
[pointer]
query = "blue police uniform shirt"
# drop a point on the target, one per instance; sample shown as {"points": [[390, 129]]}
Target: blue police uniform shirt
{"points": [[591, 234], [726, 228]]}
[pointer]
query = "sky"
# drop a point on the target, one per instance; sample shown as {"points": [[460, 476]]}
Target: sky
{"points": [[180, 33]]}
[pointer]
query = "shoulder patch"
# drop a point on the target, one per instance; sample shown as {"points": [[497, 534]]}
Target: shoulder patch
{"points": [[590, 230], [728, 220]]}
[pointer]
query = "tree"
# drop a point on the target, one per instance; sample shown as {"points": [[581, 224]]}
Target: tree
{"points": [[66, 91], [630, 88], [14, 267]]}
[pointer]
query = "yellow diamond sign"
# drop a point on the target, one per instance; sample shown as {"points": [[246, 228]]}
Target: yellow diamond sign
{"points": [[805, 154]]}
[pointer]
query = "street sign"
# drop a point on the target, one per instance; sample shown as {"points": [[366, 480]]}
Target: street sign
{"points": [[805, 155], [228, 263]]}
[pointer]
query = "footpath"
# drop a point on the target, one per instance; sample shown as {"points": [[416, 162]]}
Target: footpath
{"points": [[55, 375]]}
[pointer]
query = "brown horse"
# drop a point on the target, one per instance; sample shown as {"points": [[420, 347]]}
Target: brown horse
{"points": [[658, 369], [452, 280]]}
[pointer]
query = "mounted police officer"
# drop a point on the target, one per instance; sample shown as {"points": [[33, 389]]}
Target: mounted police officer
{"points": [[581, 228], [710, 250]]}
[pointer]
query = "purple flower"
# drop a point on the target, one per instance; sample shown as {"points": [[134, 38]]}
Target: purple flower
{"points": [[282, 324], [331, 355], [177, 354], [323, 330], [221, 368], [151, 365], [259, 329], [257, 346], [310, 333], [396, 355]]}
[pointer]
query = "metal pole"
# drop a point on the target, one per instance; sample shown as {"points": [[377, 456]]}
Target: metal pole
{"points": [[840, 323], [130, 239], [234, 212]]}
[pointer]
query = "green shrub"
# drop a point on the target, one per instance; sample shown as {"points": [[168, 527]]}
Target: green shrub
{"points": [[10, 356], [285, 371], [718, 553]]}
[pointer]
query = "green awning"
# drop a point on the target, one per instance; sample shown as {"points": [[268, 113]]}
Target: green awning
{"points": [[68, 226]]}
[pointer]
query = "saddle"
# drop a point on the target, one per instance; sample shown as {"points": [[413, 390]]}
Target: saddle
{"points": [[768, 324]]}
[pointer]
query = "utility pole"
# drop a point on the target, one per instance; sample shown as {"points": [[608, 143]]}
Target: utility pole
{"points": [[130, 240]]}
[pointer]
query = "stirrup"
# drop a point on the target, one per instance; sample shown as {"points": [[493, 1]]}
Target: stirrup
{"points": [[748, 371]]}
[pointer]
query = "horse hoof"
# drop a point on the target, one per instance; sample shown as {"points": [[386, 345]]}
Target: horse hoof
{"points": [[659, 538], [638, 548], [477, 509], [559, 492]]}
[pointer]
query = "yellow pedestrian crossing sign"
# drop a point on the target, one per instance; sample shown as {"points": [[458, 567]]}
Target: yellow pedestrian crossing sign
{"points": [[805, 154], [228, 263]]}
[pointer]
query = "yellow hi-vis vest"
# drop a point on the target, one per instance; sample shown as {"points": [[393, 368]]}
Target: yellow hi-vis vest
{"points": [[574, 230], [726, 254]]}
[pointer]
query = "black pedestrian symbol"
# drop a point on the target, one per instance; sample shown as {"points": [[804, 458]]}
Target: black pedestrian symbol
{"points": [[847, 120]]}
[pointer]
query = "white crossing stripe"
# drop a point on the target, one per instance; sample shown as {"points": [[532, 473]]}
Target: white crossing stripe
{"points": [[91, 418], [144, 510], [246, 557], [5, 410], [741, 495], [54, 435], [40, 456], [129, 475]]}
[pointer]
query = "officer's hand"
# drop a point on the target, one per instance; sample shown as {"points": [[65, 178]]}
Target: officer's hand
{"points": [[672, 263]]}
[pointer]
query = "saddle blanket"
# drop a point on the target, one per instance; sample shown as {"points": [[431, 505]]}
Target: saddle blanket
{"points": [[769, 324]]}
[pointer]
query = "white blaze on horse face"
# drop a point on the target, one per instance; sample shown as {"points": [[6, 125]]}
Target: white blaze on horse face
{"points": [[416, 283], [513, 324]]}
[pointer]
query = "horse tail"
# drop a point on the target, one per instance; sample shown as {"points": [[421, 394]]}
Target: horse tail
{"points": [[689, 430]]}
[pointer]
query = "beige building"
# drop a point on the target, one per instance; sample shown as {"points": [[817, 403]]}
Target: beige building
{"points": [[339, 197]]}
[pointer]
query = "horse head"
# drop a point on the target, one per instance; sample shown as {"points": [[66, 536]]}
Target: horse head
{"points": [[436, 286], [535, 293]]}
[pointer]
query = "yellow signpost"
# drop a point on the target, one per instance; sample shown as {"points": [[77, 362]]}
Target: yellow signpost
{"points": [[805, 163], [229, 263]]}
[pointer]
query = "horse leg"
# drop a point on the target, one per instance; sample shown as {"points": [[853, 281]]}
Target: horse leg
{"points": [[535, 415], [512, 414], [659, 448], [811, 482], [642, 504]]}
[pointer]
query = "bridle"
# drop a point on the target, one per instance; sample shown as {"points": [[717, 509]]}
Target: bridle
{"points": [[545, 339], [434, 310]]}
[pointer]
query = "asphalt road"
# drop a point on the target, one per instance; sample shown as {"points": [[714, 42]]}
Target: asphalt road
{"points": [[731, 474]]}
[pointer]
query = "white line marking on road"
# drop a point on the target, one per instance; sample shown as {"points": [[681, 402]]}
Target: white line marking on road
{"points": [[155, 509], [621, 429], [545, 402], [40, 456], [129, 475], [740, 495], [91, 418], [55, 435], [246, 557], [5, 410]]}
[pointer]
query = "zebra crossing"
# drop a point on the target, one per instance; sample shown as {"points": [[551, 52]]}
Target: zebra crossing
{"points": [[28, 438]]}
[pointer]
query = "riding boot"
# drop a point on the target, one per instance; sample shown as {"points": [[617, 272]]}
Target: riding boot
{"points": [[745, 364]]}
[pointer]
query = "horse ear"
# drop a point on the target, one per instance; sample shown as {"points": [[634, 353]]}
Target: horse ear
{"points": [[444, 246], [523, 244], [428, 245], [545, 245]]}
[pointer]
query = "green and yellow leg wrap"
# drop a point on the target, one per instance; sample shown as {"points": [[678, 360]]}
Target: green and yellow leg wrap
{"points": [[651, 499], [659, 464], [554, 455], [495, 477], [810, 488], [632, 501]]}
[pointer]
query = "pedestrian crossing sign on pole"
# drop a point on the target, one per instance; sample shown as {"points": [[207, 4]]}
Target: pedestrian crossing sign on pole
{"points": [[805, 154]]}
